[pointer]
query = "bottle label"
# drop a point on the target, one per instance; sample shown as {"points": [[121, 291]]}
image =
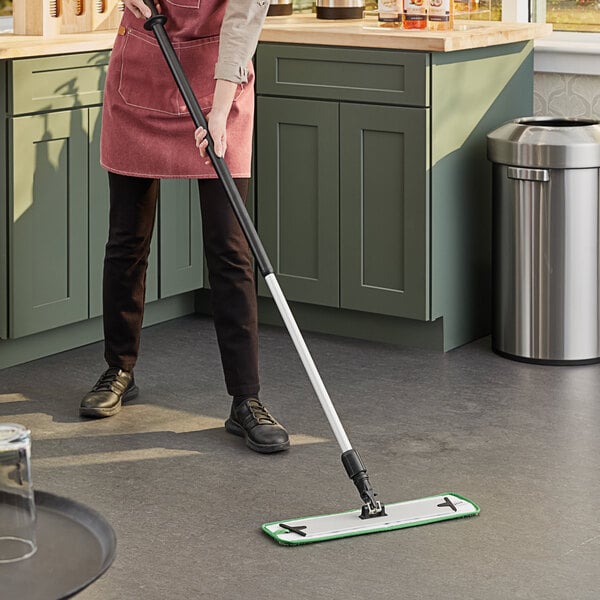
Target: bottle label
{"points": [[414, 10], [439, 10], [388, 11]]}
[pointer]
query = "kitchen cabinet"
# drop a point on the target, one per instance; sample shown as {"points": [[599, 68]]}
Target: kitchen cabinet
{"points": [[57, 192], [298, 207], [340, 240], [373, 184], [384, 263], [343, 183], [58, 218], [374, 189], [48, 214], [54, 204]]}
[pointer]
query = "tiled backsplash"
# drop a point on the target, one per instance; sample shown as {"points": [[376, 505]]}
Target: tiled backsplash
{"points": [[557, 94]]}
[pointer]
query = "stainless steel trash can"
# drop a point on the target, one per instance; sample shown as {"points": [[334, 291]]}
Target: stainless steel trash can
{"points": [[546, 266]]}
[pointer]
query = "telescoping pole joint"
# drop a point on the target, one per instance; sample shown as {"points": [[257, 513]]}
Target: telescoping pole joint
{"points": [[358, 473]]}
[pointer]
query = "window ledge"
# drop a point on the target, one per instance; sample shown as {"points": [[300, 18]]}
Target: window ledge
{"points": [[568, 52]]}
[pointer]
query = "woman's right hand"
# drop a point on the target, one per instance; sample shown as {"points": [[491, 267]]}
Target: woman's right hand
{"points": [[139, 9]]}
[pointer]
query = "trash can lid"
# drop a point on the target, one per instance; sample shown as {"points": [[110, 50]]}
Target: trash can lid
{"points": [[547, 143]]}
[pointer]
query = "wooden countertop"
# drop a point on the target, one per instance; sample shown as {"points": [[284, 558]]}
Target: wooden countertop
{"points": [[23, 46], [306, 29]]}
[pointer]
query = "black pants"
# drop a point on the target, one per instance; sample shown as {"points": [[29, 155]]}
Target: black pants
{"points": [[231, 276]]}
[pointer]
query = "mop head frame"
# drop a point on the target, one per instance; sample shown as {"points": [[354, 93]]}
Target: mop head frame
{"points": [[411, 513]]}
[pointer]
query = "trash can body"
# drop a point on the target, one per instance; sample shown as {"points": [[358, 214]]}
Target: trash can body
{"points": [[546, 243]]}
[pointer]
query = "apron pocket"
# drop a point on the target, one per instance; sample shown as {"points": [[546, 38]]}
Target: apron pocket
{"points": [[146, 81]]}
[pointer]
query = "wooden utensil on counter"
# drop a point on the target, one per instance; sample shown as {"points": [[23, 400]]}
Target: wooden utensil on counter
{"points": [[56, 17]]}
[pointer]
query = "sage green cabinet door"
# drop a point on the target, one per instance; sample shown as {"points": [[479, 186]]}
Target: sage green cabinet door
{"points": [[181, 248], [384, 204], [98, 223], [48, 221], [298, 196], [3, 212]]}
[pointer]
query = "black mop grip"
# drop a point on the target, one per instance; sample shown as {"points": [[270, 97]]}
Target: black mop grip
{"points": [[353, 463], [358, 473], [156, 23]]}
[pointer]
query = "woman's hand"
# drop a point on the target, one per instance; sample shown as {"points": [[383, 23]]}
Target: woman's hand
{"points": [[139, 9], [217, 126], [217, 119]]}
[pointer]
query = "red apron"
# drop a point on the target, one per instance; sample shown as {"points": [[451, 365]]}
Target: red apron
{"points": [[146, 128]]}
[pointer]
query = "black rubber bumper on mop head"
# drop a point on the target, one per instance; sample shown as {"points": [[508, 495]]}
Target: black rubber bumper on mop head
{"points": [[358, 473]]}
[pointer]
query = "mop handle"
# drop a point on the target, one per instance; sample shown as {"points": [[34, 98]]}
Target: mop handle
{"points": [[156, 24]]}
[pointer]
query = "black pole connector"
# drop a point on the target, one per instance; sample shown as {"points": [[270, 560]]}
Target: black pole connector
{"points": [[358, 473], [156, 23]]}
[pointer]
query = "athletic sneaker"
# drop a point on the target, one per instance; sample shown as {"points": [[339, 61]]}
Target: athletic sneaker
{"points": [[114, 387]]}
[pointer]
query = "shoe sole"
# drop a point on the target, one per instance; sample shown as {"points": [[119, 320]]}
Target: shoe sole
{"points": [[99, 413], [233, 427]]}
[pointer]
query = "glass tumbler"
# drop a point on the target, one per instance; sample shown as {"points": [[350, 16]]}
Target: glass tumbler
{"points": [[17, 503]]}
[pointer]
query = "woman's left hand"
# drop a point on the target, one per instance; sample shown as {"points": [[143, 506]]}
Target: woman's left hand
{"points": [[217, 126], [217, 119], [139, 8]]}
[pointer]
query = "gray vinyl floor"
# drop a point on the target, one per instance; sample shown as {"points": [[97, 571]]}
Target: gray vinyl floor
{"points": [[187, 499]]}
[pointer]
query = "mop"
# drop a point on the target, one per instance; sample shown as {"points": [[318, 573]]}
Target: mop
{"points": [[373, 516]]}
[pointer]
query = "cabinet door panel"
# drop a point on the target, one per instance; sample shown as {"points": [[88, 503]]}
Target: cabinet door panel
{"points": [[3, 213], [181, 251], [98, 224], [384, 210], [48, 221], [298, 196]]}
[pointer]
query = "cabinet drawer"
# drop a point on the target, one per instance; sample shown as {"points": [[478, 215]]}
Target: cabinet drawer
{"points": [[56, 82], [356, 75]]}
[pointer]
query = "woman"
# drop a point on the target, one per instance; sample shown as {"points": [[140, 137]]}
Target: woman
{"points": [[145, 137]]}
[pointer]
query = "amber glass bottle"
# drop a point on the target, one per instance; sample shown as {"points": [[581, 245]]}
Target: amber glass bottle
{"points": [[414, 14]]}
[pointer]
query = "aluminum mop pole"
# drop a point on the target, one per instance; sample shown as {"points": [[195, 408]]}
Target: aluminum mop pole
{"points": [[350, 458]]}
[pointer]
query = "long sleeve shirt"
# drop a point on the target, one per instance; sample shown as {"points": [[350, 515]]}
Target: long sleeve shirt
{"points": [[240, 30]]}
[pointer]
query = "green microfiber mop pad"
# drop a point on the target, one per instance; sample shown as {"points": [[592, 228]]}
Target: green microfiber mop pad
{"points": [[411, 513]]}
